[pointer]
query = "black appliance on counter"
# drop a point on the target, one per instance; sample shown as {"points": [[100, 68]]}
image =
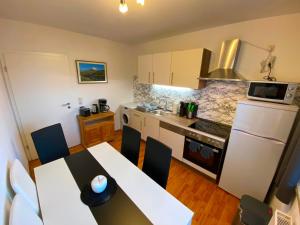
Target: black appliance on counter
{"points": [[183, 109], [206, 146], [83, 111], [103, 107]]}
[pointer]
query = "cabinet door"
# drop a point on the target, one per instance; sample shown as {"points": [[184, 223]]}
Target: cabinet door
{"points": [[162, 68], [173, 140], [107, 131], [150, 128], [186, 67], [145, 69], [92, 135], [136, 121]]}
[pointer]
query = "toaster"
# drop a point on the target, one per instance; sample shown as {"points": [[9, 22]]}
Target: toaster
{"points": [[83, 111]]}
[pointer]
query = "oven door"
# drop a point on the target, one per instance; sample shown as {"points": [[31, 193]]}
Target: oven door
{"points": [[202, 155]]}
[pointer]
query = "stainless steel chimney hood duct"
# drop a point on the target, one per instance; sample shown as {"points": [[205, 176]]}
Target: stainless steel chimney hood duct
{"points": [[227, 61]]}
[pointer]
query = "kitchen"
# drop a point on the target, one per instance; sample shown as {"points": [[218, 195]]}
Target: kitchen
{"points": [[142, 74]]}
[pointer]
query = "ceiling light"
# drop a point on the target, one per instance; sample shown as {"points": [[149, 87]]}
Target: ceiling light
{"points": [[140, 2], [123, 6]]}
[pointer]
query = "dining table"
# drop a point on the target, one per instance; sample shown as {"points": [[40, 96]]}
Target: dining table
{"points": [[137, 200]]}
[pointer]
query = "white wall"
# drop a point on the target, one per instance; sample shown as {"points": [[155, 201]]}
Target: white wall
{"points": [[10, 148], [120, 59], [282, 31]]}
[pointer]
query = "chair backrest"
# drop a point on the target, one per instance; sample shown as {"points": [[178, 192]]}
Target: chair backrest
{"points": [[22, 214], [23, 185], [130, 148], [50, 143], [157, 161]]}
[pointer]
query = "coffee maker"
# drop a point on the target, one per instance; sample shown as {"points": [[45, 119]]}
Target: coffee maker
{"points": [[103, 107]]}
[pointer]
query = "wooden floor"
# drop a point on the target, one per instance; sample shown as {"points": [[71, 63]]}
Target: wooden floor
{"points": [[211, 205]]}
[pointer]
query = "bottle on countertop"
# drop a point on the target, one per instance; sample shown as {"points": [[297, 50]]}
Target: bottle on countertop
{"points": [[175, 108]]}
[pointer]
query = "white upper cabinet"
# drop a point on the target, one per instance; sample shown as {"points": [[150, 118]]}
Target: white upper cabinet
{"points": [[162, 68], [186, 68], [145, 69], [178, 68]]}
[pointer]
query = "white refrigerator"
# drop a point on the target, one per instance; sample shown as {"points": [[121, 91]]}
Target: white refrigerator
{"points": [[259, 133]]}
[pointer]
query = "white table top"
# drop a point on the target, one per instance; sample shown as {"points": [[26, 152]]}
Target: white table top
{"points": [[59, 194]]}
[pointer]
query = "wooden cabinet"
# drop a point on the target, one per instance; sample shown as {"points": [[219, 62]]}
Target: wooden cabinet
{"points": [[173, 140], [145, 69], [162, 68], [96, 128], [178, 68], [187, 66], [150, 127]]}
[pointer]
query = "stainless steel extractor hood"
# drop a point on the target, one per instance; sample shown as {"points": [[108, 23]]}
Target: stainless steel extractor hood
{"points": [[227, 61]]}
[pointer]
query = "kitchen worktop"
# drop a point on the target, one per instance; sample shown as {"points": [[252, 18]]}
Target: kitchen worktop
{"points": [[170, 118], [167, 117]]}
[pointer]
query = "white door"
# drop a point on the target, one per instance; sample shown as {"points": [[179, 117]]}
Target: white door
{"points": [[250, 164], [145, 69], [150, 128], [40, 84], [186, 68], [162, 68], [173, 140]]}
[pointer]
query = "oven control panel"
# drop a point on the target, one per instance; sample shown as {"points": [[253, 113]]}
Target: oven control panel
{"points": [[205, 139]]}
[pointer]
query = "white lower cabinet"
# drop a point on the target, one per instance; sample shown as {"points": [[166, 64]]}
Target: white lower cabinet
{"points": [[173, 140], [150, 127], [146, 124], [136, 120]]}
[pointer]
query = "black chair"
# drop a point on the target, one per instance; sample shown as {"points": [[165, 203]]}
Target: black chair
{"points": [[130, 148], [157, 161], [50, 143]]}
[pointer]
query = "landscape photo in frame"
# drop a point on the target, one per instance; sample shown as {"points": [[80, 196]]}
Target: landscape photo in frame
{"points": [[91, 72]]}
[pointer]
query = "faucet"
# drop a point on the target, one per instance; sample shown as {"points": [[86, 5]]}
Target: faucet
{"points": [[164, 98]]}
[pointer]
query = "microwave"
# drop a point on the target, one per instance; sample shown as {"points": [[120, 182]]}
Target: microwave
{"points": [[271, 91]]}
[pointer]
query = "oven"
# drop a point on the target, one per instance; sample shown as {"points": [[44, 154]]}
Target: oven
{"points": [[203, 155]]}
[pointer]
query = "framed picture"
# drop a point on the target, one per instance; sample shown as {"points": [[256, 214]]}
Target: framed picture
{"points": [[91, 72]]}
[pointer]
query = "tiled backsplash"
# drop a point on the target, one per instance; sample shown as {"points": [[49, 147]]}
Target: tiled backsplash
{"points": [[217, 101]]}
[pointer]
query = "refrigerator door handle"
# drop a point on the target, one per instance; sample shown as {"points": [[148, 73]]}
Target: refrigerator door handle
{"points": [[271, 139]]}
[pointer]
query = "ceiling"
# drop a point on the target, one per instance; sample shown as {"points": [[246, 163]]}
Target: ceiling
{"points": [[157, 19]]}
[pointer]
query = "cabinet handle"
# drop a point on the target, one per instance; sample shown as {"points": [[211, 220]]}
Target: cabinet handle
{"points": [[144, 121], [149, 77], [141, 125], [153, 78], [172, 74]]}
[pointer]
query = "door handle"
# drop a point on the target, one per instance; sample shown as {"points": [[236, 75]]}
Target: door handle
{"points": [[149, 77], [153, 78], [68, 104]]}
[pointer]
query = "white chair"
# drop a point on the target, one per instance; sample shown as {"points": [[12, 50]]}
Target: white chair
{"points": [[23, 185], [21, 213]]}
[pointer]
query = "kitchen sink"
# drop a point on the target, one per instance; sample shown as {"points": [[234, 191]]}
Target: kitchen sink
{"points": [[160, 112]]}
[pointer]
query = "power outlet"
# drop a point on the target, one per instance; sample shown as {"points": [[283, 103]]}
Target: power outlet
{"points": [[267, 64]]}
